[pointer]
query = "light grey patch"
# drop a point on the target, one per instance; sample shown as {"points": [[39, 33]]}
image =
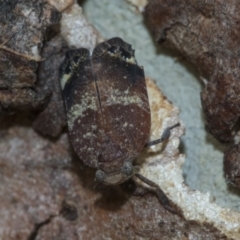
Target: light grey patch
{"points": [[127, 168], [117, 54], [79, 110], [100, 175], [131, 60], [126, 91], [65, 77], [117, 119], [83, 148], [94, 127], [125, 98], [89, 135]]}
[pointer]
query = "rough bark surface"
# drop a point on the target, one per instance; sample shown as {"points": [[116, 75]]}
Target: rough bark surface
{"points": [[207, 34], [46, 193], [52, 118], [232, 165], [22, 27], [45, 190]]}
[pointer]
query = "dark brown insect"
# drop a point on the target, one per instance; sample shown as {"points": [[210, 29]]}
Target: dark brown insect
{"points": [[108, 110]]}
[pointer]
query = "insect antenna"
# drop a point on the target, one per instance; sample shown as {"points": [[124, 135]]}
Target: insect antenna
{"points": [[164, 136]]}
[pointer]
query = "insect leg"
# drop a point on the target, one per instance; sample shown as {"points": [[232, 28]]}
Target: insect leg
{"points": [[160, 194]]}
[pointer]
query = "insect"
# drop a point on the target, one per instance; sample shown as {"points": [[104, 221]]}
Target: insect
{"points": [[108, 111]]}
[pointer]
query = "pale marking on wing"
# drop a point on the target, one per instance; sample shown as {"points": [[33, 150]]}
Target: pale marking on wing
{"points": [[65, 77], [130, 60], [116, 97], [79, 110], [89, 135]]}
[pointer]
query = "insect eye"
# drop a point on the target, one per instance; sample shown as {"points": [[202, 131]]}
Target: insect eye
{"points": [[127, 168], [100, 176]]}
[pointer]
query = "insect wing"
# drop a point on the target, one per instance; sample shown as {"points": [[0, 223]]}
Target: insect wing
{"points": [[82, 105], [123, 95]]}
